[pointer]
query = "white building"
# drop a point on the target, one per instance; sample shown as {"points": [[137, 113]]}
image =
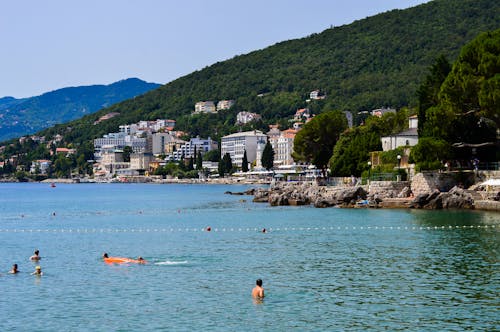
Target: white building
{"points": [[40, 166], [236, 145], [406, 138], [204, 107], [316, 95], [224, 104], [189, 149], [246, 117], [283, 147], [140, 160]]}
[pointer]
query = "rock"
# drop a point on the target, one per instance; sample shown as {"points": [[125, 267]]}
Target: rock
{"points": [[278, 199], [246, 192], [261, 196], [323, 203], [458, 198], [405, 192]]}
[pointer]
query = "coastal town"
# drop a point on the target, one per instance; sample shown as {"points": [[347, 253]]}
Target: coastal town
{"points": [[141, 148]]}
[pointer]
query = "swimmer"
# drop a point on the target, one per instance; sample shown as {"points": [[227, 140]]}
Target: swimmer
{"points": [[141, 260], [38, 271], [36, 256], [258, 290], [105, 255], [14, 269]]}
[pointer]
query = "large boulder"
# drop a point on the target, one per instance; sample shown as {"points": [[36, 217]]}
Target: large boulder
{"points": [[458, 198]]}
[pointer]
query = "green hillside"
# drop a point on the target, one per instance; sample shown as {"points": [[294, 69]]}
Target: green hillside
{"points": [[374, 62]]}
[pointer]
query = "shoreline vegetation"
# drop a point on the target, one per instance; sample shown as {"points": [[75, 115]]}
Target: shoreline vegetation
{"points": [[430, 191]]}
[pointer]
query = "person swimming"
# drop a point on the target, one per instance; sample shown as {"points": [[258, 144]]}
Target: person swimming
{"points": [[36, 256], [38, 271], [105, 255], [258, 290], [14, 269]]}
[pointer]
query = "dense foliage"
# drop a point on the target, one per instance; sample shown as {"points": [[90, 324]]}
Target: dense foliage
{"points": [[351, 153], [315, 141], [466, 113]]}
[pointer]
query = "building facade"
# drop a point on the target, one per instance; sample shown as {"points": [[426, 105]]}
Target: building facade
{"points": [[236, 145]]}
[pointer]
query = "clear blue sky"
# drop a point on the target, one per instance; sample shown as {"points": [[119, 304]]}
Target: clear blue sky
{"points": [[50, 44]]}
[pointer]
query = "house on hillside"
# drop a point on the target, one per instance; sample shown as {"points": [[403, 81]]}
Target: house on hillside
{"points": [[204, 107], [246, 117], [317, 95], [406, 138], [40, 166], [379, 112], [224, 105]]}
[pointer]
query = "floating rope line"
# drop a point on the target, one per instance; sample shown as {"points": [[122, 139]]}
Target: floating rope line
{"points": [[248, 229]]}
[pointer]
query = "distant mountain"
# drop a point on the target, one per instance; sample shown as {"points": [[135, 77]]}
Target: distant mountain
{"points": [[19, 117]]}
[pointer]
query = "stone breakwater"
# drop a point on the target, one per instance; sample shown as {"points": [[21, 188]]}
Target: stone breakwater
{"points": [[376, 195]]}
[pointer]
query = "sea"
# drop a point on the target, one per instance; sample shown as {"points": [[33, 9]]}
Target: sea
{"points": [[322, 269]]}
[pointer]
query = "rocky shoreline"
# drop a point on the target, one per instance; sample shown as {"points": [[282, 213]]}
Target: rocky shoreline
{"points": [[369, 196]]}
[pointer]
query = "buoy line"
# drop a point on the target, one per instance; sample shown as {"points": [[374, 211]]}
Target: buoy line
{"points": [[246, 229]]}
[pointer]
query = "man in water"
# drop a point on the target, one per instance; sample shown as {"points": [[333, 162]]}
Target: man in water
{"points": [[258, 290], [36, 256], [14, 269], [38, 271], [105, 255]]}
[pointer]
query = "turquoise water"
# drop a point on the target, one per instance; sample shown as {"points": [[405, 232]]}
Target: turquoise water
{"points": [[323, 269]]}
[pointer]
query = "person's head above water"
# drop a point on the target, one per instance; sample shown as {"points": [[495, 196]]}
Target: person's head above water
{"points": [[37, 252], [105, 255], [259, 282]]}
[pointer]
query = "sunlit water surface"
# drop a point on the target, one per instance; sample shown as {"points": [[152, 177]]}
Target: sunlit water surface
{"points": [[323, 269]]}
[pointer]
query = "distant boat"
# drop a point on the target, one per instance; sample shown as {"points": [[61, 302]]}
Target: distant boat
{"points": [[53, 185]]}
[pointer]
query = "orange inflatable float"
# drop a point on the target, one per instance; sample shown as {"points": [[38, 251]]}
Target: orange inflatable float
{"points": [[123, 260]]}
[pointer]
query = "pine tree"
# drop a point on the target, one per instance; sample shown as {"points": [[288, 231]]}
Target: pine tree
{"points": [[199, 161], [268, 156], [244, 163]]}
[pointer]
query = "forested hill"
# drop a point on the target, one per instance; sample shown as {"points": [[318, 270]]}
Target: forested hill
{"points": [[28, 115], [374, 62]]}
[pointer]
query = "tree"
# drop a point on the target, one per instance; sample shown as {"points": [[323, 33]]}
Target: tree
{"points": [[212, 155], [351, 153], [468, 110], [267, 159], [429, 90], [191, 164], [315, 141], [199, 161], [225, 165], [127, 150], [244, 162], [429, 152]]}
